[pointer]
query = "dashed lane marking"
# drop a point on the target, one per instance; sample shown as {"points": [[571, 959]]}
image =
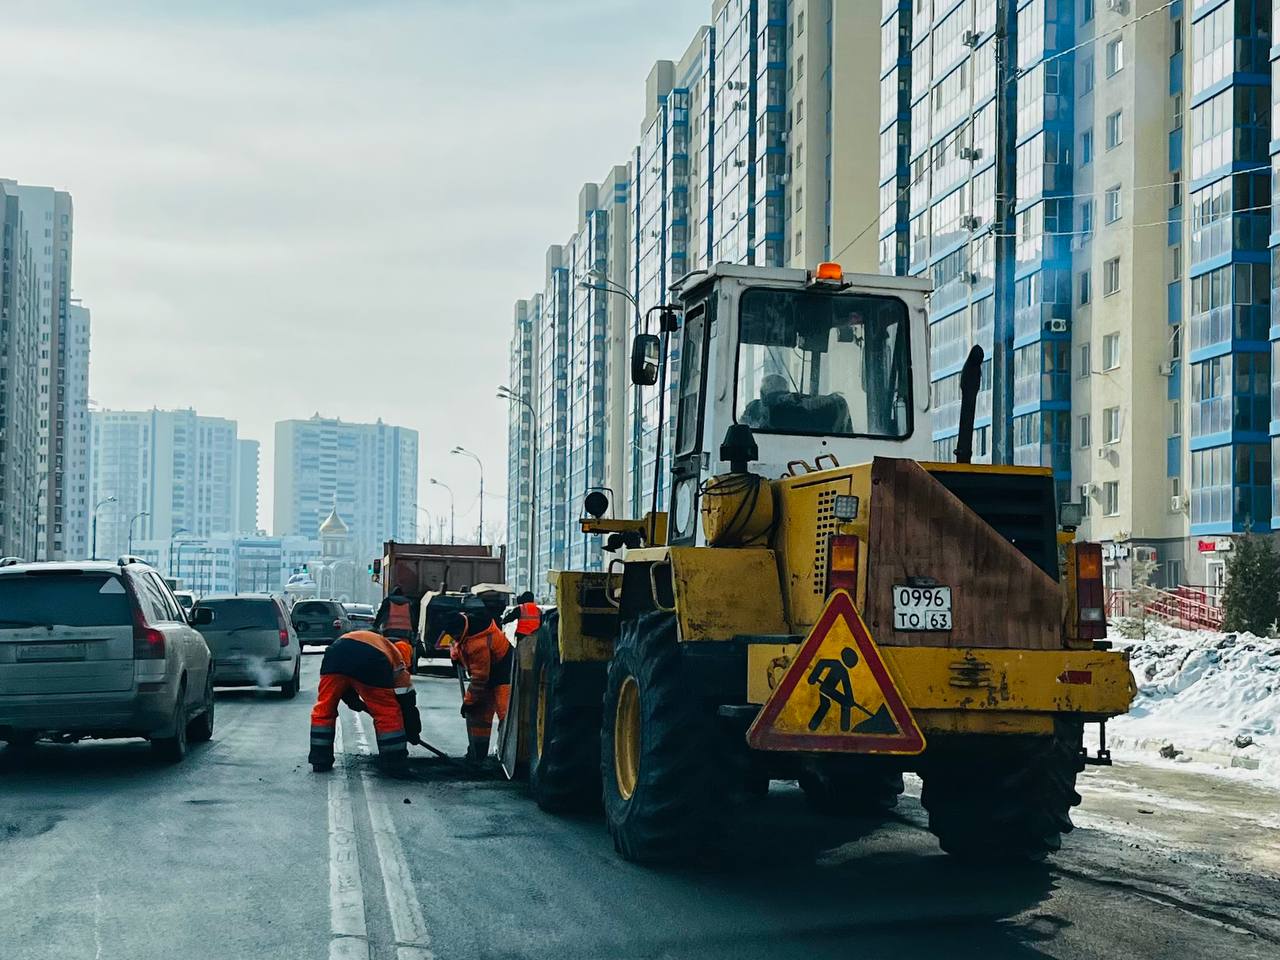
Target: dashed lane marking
{"points": [[413, 941], [350, 935]]}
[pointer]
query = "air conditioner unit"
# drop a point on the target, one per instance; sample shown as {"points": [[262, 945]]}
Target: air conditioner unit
{"points": [[971, 38], [1088, 489], [970, 222], [1166, 369], [1056, 325], [1104, 453], [1175, 504], [970, 278], [1118, 6], [1147, 554], [970, 153], [783, 177]]}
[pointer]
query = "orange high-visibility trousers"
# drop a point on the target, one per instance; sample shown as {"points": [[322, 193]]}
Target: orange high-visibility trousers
{"points": [[493, 702], [388, 721]]}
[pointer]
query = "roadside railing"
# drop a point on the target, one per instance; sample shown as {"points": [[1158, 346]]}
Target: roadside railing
{"points": [[1185, 607]]}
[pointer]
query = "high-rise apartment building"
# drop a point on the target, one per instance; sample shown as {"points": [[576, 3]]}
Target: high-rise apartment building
{"points": [[47, 218], [522, 442], [367, 471], [169, 472], [19, 351], [735, 136], [75, 442], [248, 457]]}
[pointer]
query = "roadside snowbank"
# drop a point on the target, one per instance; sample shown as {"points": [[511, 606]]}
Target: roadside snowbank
{"points": [[1204, 697]]}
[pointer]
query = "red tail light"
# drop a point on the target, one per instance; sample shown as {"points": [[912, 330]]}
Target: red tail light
{"points": [[148, 642], [284, 637], [1091, 622], [842, 564]]}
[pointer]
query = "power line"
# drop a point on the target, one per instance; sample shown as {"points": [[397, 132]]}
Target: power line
{"points": [[947, 144]]}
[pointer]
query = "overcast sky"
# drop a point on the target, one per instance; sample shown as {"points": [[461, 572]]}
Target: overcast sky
{"points": [[285, 207]]}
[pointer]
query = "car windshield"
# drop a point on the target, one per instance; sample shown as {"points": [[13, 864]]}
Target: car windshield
{"points": [[71, 599], [822, 362], [234, 614]]}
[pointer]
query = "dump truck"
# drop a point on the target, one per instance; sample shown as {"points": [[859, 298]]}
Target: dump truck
{"points": [[820, 599], [447, 571]]}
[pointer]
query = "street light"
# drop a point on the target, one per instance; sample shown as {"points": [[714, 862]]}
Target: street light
{"points": [[96, 507], [428, 514], [464, 452], [451, 512], [132, 520], [171, 539], [506, 393]]}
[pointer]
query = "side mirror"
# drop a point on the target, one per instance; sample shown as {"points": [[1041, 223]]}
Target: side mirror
{"points": [[646, 353], [201, 617]]}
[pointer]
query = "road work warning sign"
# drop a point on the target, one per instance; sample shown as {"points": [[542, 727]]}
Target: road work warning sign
{"points": [[837, 694]]}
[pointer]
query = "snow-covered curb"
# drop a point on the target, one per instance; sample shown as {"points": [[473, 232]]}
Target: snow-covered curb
{"points": [[1207, 697]]}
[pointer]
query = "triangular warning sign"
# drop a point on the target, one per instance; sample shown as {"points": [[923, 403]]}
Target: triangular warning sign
{"points": [[837, 694]]}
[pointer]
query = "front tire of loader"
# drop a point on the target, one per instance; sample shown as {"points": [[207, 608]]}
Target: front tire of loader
{"points": [[1007, 800], [658, 756], [564, 727], [845, 786]]}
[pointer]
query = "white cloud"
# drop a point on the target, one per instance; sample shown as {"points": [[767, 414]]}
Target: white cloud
{"points": [[258, 186]]}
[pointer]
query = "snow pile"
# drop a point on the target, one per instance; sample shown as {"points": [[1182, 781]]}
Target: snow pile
{"points": [[1204, 696]]}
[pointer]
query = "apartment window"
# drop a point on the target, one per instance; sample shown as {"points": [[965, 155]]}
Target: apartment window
{"points": [[799, 109], [799, 199], [1111, 276], [1175, 262], [1115, 129], [1175, 342], [1111, 425], [800, 23], [1111, 498], [1113, 204], [1115, 56], [1175, 189], [1086, 11], [1086, 218], [1083, 430], [800, 67], [1084, 292], [1111, 351], [1086, 75], [1086, 147], [1175, 419], [1177, 35]]}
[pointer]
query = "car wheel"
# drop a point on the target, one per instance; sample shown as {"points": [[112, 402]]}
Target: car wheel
{"points": [[200, 729], [290, 688], [173, 749], [23, 742]]}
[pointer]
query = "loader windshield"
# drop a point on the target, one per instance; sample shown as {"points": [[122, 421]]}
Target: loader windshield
{"points": [[824, 363]]}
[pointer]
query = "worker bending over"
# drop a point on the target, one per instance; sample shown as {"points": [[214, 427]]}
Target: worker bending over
{"points": [[526, 614], [479, 644], [367, 672]]}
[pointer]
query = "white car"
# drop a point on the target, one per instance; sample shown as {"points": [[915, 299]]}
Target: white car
{"points": [[101, 650]]}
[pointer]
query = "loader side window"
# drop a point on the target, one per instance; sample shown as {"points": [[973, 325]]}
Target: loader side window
{"points": [[824, 363]]}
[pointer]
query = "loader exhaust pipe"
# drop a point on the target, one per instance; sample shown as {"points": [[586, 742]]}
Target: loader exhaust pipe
{"points": [[970, 381]]}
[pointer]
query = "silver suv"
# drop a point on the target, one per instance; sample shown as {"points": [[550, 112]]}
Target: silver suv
{"points": [[100, 649], [253, 644]]}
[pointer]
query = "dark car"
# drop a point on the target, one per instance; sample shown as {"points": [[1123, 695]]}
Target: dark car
{"points": [[320, 622]]}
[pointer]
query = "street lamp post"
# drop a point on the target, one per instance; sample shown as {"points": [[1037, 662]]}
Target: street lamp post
{"points": [[427, 513], [96, 507], [132, 520], [506, 393], [462, 451], [452, 517], [171, 539]]}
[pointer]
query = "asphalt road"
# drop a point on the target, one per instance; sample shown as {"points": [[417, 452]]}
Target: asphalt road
{"points": [[243, 852]]}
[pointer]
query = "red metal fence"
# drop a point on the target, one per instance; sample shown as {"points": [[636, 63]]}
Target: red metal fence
{"points": [[1184, 607]]}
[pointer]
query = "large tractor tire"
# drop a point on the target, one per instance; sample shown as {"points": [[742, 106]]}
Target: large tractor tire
{"points": [[846, 786], [564, 726], [1005, 801], [659, 749]]}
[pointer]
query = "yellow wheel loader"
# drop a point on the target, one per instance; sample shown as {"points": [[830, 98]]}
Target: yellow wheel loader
{"points": [[820, 602]]}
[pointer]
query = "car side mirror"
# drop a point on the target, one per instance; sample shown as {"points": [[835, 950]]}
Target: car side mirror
{"points": [[646, 353], [201, 617]]}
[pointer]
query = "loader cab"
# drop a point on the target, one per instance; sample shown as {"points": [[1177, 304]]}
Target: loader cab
{"points": [[824, 368]]}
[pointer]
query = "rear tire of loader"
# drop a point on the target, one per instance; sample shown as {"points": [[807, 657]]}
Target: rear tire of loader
{"points": [[850, 786], [564, 727], [1007, 801], [658, 752]]}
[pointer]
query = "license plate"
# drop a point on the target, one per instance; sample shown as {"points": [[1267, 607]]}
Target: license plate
{"points": [[29, 652], [921, 609]]}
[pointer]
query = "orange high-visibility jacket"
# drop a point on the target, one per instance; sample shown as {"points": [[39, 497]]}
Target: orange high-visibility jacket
{"points": [[530, 619], [486, 655]]}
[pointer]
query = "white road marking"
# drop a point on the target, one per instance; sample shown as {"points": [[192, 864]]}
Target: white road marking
{"points": [[413, 941], [346, 893]]}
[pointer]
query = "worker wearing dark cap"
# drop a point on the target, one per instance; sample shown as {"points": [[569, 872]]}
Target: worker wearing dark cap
{"points": [[478, 643]]}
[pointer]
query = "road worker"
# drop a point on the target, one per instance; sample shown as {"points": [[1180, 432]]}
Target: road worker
{"points": [[367, 672], [395, 616], [478, 643], [526, 614]]}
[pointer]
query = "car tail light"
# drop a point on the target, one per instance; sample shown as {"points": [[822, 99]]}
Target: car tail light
{"points": [[1091, 622], [842, 564], [148, 642], [284, 637]]}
